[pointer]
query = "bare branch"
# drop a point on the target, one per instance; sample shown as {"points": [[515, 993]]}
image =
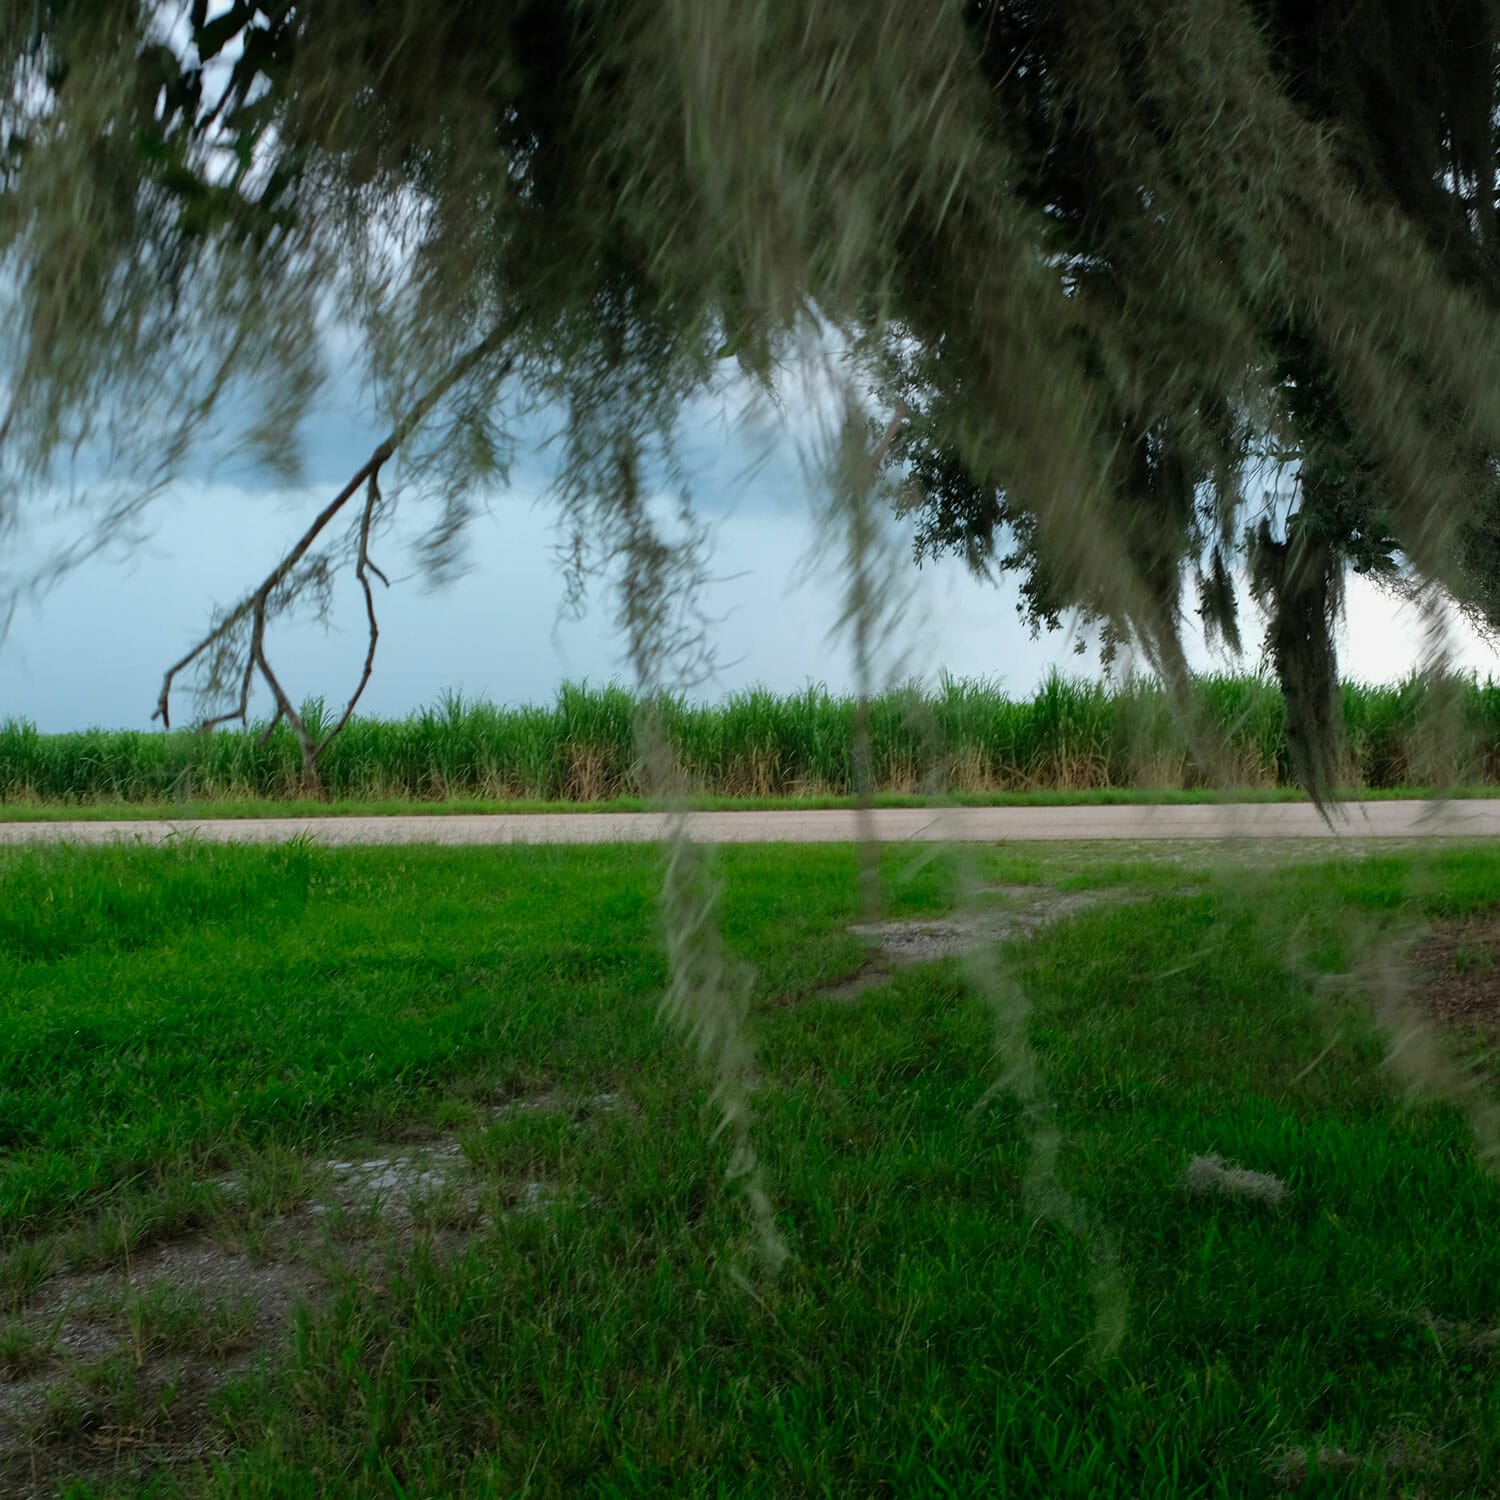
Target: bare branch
{"points": [[256, 607], [363, 567]]}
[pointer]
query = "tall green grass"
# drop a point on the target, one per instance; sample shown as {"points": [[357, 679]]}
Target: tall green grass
{"points": [[194, 1032], [966, 735]]}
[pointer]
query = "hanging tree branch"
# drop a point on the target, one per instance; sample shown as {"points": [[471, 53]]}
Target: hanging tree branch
{"points": [[282, 584]]}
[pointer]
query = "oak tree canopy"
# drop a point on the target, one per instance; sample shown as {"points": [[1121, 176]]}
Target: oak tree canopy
{"points": [[1130, 295]]}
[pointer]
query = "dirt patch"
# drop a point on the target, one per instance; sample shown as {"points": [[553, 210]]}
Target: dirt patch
{"points": [[1399, 1455], [1027, 908], [1293, 1467], [870, 976], [114, 1372], [1465, 1339], [1019, 910], [393, 1183], [1458, 973]]}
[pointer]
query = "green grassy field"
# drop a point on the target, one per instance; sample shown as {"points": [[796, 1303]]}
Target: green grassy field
{"points": [[200, 1040], [1069, 736]]}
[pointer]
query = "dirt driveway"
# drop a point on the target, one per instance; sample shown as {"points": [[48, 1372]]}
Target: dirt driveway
{"points": [[1355, 820]]}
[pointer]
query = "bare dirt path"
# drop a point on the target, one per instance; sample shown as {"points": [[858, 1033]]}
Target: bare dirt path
{"points": [[1360, 820]]}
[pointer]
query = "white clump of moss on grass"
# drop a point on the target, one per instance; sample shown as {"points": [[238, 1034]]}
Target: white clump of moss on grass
{"points": [[1212, 1174]]}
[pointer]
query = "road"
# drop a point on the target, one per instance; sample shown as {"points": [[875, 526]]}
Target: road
{"points": [[1256, 821]]}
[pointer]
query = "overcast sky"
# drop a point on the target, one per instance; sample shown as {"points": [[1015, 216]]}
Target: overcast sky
{"points": [[91, 652]]}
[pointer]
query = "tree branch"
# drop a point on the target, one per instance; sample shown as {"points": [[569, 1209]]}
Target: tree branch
{"points": [[363, 567], [257, 606]]}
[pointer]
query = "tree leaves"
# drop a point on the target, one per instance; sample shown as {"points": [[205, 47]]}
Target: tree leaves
{"points": [[1114, 263], [211, 37]]}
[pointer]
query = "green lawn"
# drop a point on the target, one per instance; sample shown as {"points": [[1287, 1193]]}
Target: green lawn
{"points": [[190, 1031]]}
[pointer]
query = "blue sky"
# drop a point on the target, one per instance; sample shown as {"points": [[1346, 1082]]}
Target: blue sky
{"points": [[91, 651]]}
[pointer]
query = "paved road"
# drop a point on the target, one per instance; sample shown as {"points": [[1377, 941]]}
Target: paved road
{"points": [[977, 824]]}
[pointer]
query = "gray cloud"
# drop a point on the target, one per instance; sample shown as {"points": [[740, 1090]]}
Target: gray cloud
{"points": [[92, 650]]}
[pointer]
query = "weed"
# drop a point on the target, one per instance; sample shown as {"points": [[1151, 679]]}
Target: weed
{"points": [[23, 1349], [167, 1317], [23, 1268]]}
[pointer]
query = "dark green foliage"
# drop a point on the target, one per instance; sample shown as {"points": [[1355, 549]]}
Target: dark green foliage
{"points": [[1407, 95]]}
